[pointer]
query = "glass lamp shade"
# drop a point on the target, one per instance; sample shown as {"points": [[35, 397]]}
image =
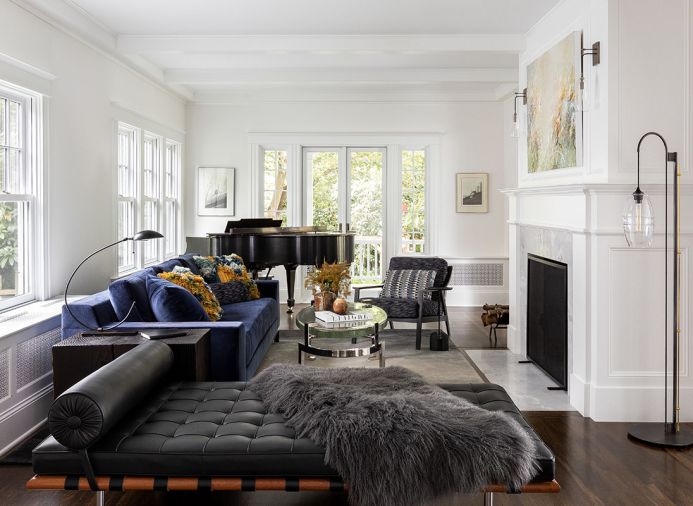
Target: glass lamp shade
{"points": [[638, 221]]}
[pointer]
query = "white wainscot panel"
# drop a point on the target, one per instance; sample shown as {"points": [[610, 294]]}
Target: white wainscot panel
{"points": [[636, 313]]}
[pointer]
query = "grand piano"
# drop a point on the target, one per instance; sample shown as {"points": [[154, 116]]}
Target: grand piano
{"points": [[264, 243]]}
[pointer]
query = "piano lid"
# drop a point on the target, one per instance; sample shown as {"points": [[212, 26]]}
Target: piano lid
{"points": [[269, 226]]}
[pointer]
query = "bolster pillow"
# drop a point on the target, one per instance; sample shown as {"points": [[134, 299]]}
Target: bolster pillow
{"points": [[85, 412]]}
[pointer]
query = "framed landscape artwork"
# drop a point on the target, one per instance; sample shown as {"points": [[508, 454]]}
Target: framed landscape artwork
{"points": [[472, 192], [554, 126], [216, 191]]}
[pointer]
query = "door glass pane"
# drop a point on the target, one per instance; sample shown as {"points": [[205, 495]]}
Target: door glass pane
{"points": [[367, 214], [14, 276], [275, 185], [324, 170], [413, 204]]}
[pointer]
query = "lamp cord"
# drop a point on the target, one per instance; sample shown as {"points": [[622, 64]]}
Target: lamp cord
{"points": [[67, 287]]}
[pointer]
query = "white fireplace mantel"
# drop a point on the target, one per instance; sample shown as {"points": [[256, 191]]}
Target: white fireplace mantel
{"points": [[616, 295]]}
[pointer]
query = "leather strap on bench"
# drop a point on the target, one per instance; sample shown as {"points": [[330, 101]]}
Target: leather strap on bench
{"points": [[88, 469]]}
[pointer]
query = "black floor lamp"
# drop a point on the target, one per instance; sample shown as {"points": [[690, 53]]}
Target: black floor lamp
{"points": [[143, 235], [638, 226]]}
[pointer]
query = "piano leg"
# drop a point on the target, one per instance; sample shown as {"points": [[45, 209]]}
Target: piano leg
{"points": [[290, 282]]}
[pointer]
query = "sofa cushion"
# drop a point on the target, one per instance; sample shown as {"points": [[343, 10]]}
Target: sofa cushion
{"points": [[168, 265], [173, 303], [404, 308], [198, 288], [123, 292], [187, 261], [257, 317]]}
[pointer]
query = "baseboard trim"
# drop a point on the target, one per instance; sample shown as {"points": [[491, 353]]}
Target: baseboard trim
{"points": [[28, 412]]}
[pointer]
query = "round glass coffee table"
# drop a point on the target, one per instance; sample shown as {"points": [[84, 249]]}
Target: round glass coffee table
{"points": [[363, 335]]}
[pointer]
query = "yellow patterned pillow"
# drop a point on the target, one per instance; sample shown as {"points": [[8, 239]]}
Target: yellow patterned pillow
{"points": [[228, 273], [200, 290]]}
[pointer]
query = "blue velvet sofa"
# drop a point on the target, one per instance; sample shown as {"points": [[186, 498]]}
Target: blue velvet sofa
{"points": [[239, 340]]}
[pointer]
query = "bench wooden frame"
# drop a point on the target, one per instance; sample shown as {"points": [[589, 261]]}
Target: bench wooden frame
{"points": [[225, 483]]}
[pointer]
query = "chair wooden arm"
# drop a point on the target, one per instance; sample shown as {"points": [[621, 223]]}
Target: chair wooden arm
{"points": [[357, 290]]}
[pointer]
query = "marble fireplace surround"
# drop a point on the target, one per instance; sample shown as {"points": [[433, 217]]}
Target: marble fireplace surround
{"points": [[554, 245]]}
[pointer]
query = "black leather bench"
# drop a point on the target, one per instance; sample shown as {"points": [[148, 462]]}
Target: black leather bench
{"points": [[125, 428]]}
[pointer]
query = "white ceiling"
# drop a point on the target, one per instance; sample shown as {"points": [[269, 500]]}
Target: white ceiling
{"points": [[240, 49]]}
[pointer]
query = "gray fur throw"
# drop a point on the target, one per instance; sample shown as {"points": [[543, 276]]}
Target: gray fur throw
{"points": [[395, 439]]}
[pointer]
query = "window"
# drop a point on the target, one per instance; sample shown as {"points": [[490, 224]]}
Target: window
{"points": [[171, 198], [275, 185], [19, 133], [127, 194], [148, 195], [413, 201]]}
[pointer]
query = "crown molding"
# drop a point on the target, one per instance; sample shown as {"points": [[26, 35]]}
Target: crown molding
{"points": [[74, 22]]}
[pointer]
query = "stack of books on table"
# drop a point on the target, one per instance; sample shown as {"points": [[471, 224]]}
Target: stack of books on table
{"points": [[334, 320]]}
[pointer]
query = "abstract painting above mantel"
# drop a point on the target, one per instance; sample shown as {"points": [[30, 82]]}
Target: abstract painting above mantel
{"points": [[554, 126]]}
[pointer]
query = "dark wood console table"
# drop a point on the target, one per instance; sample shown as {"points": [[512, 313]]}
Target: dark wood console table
{"points": [[76, 357]]}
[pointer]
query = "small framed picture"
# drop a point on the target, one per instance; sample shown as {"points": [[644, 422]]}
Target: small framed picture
{"points": [[216, 191], [472, 192]]}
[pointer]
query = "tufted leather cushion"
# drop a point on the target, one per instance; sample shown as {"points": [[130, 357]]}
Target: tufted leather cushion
{"points": [[190, 429], [223, 429]]}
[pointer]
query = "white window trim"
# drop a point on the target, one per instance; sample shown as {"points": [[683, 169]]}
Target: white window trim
{"points": [[395, 142], [32, 150], [146, 128], [176, 199]]}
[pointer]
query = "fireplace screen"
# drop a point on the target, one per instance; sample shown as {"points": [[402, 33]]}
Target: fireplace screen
{"points": [[547, 317]]}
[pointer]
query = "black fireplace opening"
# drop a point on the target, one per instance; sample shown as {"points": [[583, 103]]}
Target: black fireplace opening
{"points": [[547, 317]]}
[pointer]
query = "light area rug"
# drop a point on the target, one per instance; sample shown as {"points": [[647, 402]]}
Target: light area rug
{"points": [[452, 366]]}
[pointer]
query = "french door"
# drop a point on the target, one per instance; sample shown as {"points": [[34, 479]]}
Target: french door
{"points": [[344, 190]]}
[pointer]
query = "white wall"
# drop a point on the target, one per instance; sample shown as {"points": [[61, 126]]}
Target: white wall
{"points": [[79, 164], [471, 141], [616, 338]]}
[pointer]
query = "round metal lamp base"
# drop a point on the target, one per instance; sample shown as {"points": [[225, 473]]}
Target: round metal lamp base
{"points": [[657, 434]]}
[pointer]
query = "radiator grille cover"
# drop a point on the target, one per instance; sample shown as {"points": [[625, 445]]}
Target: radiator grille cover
{"points": [[477, 274], [34, 357], [4, 373]]}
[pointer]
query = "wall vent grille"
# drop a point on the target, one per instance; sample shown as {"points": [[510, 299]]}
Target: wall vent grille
{"points": [[4, 374], [477, 274], [34, 357]]}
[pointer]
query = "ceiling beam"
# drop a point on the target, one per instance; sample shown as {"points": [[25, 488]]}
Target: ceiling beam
{"points": [[284, 76], [144, 44]]}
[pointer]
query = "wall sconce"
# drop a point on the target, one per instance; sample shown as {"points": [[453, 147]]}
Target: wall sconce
{"points": [[595, 52], [516, 124]]}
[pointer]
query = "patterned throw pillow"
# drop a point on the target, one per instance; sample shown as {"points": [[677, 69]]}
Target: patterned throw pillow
{"points": [[406, 283], [228, 274], [226, 269], [197, 286], [208, 268], [230, 293]]}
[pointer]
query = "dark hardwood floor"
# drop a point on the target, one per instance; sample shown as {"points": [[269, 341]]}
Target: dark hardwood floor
{"points": [[596, 463]]}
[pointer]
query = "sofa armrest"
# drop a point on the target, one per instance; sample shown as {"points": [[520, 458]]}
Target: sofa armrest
{"points": [[268, 288], [227, 343]]}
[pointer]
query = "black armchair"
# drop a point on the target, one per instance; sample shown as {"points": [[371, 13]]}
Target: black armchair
{"points": [[417, 310]]}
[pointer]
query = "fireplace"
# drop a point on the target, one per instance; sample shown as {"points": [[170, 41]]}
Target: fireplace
{"points": [[547, 317]]}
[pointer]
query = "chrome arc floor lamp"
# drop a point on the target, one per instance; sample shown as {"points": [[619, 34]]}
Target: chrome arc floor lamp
{"points": [[638, 227], [143, 235]]}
